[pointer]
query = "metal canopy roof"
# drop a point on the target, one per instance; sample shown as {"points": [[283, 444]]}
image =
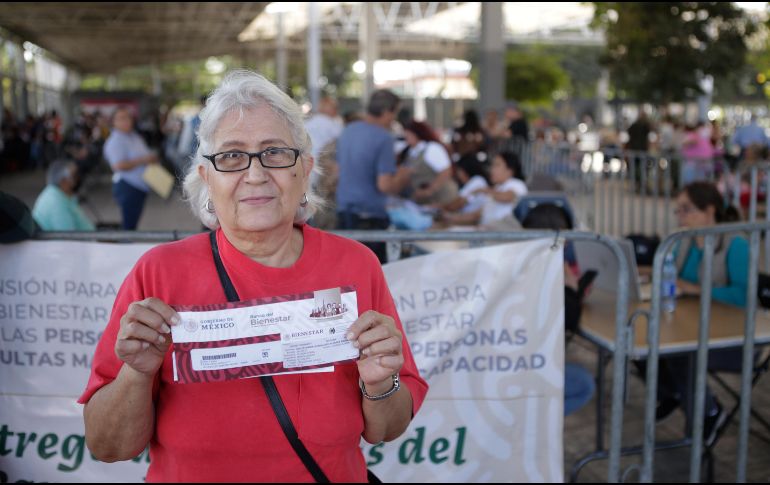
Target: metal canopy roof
{"points": [[104, 37]]}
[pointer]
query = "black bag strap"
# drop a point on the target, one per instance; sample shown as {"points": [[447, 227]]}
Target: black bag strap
{"points": [[268, 383]]}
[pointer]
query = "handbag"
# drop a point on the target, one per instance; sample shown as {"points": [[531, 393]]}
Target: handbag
{"points": [[271, 390]]}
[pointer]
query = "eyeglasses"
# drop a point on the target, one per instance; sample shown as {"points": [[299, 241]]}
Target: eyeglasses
{"points": [[236, 161]]}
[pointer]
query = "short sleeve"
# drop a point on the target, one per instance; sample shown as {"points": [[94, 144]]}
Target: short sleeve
{"points": [[106, 365], [516, 186], [115, 151], [437, 157], [386, 157], [473, 185]]}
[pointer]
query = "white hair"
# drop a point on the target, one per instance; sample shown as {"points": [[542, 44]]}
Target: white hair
{"points": [[241, 90], [59, 170]]}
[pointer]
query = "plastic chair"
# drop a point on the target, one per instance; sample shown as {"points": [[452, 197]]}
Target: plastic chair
{"points": [[533, 199]]}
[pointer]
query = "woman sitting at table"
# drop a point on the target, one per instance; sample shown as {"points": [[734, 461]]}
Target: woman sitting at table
{"points": [[701, 205]]}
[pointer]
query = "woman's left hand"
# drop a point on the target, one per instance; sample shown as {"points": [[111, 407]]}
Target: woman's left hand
{"points": [[380, 344]]}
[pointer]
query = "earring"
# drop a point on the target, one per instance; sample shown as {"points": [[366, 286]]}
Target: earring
{"points": [[209, 206], [303, 202]]}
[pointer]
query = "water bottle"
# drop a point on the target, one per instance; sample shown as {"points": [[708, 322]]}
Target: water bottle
{"points": [[668, 286]]}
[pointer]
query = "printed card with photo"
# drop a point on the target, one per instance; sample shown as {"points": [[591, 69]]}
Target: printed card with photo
{"points": [[284, 334]]}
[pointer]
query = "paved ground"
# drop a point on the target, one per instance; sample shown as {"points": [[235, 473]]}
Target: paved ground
{"points": [[579, 428], [159, 214]]}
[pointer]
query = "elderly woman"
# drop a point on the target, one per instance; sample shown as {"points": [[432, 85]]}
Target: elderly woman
{"points": [[56, 208], [249, 183]]}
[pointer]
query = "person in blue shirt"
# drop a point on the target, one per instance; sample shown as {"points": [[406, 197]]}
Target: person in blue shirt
{"points": [[367, 169], [701, 205], [751, 135], [128, 156], [56, 208]]}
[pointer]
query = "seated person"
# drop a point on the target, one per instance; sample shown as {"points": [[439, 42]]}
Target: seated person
{"points": [[698, 205], [470, 173], [579, 384], [431, 181], [56, 208], [508, 180]]}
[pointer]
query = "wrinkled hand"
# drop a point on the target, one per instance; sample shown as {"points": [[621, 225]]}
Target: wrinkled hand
{"points": [[145, 335], [380, 344]]}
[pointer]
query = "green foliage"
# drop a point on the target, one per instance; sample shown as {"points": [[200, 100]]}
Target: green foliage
{"points": [[336, 67], [533, 77], [757, 76], [186, 81], [657, 52], [570, 71], [579, 62]]}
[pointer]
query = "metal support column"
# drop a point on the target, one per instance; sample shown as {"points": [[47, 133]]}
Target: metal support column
{"points": [[492, 49]]}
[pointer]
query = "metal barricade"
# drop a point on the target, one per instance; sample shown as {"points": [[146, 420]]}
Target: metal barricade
{"points": [[710, 235], [614, 191], [474, 238], [619, 192], [633, 192], [748, 188]]}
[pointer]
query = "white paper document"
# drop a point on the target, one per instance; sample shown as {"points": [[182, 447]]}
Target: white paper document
{"points": [[263, 337]]}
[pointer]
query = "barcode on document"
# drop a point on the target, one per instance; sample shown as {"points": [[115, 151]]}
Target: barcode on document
{"points": [[217, 357]]}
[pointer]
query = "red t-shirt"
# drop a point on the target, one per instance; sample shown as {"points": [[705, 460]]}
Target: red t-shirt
{"points": [[227, 432]]}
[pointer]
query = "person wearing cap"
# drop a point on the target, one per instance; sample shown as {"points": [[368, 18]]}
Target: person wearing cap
{"points": [[57, 208]]}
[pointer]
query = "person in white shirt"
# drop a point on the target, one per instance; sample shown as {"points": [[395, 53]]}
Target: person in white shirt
{"points": [[323, 128], [431, 180], [472, 176], [507, 177]]}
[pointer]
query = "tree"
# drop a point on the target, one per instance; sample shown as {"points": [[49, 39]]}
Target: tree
{"points": [[533, 77], [659, 52], [336, 69], [579, 62]]}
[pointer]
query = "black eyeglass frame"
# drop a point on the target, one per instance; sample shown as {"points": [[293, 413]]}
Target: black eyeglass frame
{"points": [[253, 155]]}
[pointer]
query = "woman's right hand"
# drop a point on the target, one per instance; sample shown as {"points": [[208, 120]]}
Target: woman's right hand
{"points": [[145, 335]]}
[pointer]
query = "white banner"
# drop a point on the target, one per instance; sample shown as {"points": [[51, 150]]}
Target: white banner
{"points": [[55, 300], [486, 327]]}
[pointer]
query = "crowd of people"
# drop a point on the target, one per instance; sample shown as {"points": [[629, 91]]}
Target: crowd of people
{"points": [[31, 142], [362, 167], [376, 164], [329, 310], [72, 154]]}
